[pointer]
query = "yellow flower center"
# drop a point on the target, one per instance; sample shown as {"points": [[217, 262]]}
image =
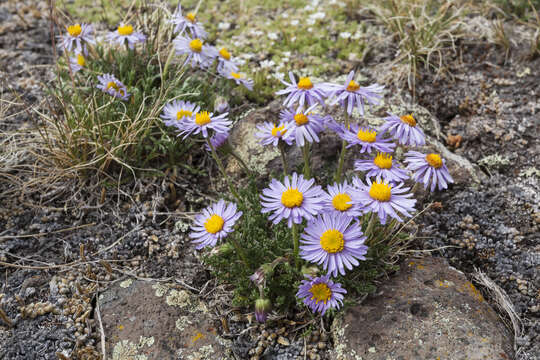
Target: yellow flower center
{"points": [[383, 161], [301, 119], [236, 75], [353, 86], [278, 131], [191, 17], [225, 54], [367, 135], [180, 114], [321, 292], [380, 191], [332, 241], [80, 60], [341, 202], [196, 45], [74, 30], [292, 198], [112, 84], [305, 84], [434, 160], [202, 118], [214, 224], [409, 120], [125, 30]]}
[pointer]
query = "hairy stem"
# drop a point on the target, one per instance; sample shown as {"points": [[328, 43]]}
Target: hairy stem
{"points": [[222, 170], [337, 177], [369, 229], [296, 243], [305, 154], [239, 251], [281, 146]]}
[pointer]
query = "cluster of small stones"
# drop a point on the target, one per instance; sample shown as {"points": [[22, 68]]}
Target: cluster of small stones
{"points": [[275, 342], [76, 307]]}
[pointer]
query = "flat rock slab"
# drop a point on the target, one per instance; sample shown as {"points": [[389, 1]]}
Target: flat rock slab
{"points": [[428, 310], [149, 320]]}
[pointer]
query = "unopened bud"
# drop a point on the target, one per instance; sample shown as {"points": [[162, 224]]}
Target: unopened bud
{"points": [[262, 307]]}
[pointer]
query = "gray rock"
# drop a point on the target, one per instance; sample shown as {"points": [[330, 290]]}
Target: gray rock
{"points": [[428, 310], [145, 320]]}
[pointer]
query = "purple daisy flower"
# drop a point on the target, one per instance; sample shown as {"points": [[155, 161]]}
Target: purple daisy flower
{"points": [[332, 241], [404, 129], [383, 167], [77, 62], [214, 223], [225, 64], [78, 35], [321, 294], [239, 79], [292, 200], [340, 199], [112, 86], [271, 134], [217, 140], [125, 33], [366, 137], [198, 53], [428, 168], [352, 94], [303, 91], [174, 112], [187, 22], [385, 199], [204, 121], [305, 125]]}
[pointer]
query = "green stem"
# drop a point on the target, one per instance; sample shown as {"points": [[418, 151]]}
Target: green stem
{"points": [[337, 177], [281, 146], [222, 170], [296, 242], [241, 161], [168, 62], [372, 220], [305, 153], [240, 251]]}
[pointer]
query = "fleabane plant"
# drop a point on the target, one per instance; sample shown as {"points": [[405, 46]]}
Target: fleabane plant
{"points": [[126, 93], [329, 231]]}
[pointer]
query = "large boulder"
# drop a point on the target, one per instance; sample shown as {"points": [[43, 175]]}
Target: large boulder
{"points": [[144, 321], [429, 310]]}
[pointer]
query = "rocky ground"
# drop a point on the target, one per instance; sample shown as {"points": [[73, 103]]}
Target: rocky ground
{"points": [[57, 257]]}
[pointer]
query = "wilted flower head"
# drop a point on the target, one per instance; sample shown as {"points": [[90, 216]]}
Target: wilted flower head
{"points": [[214, 223], [351, 94], [404, 129], [333, 241], [294, 199], [428, 168], [369, 139], [202, 122], [271, 134], [304, 124], [381, 167], [304, 92], [174, 112], [321, 294], [125, 34], [112, 86], [77, 62], [198, 53], [187, 22], [217, 140], [78, 35], [385, 199]]}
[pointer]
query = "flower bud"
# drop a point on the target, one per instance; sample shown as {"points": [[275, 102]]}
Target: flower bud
{"points": [[262, 307], [258, 277], [221, 105]]}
